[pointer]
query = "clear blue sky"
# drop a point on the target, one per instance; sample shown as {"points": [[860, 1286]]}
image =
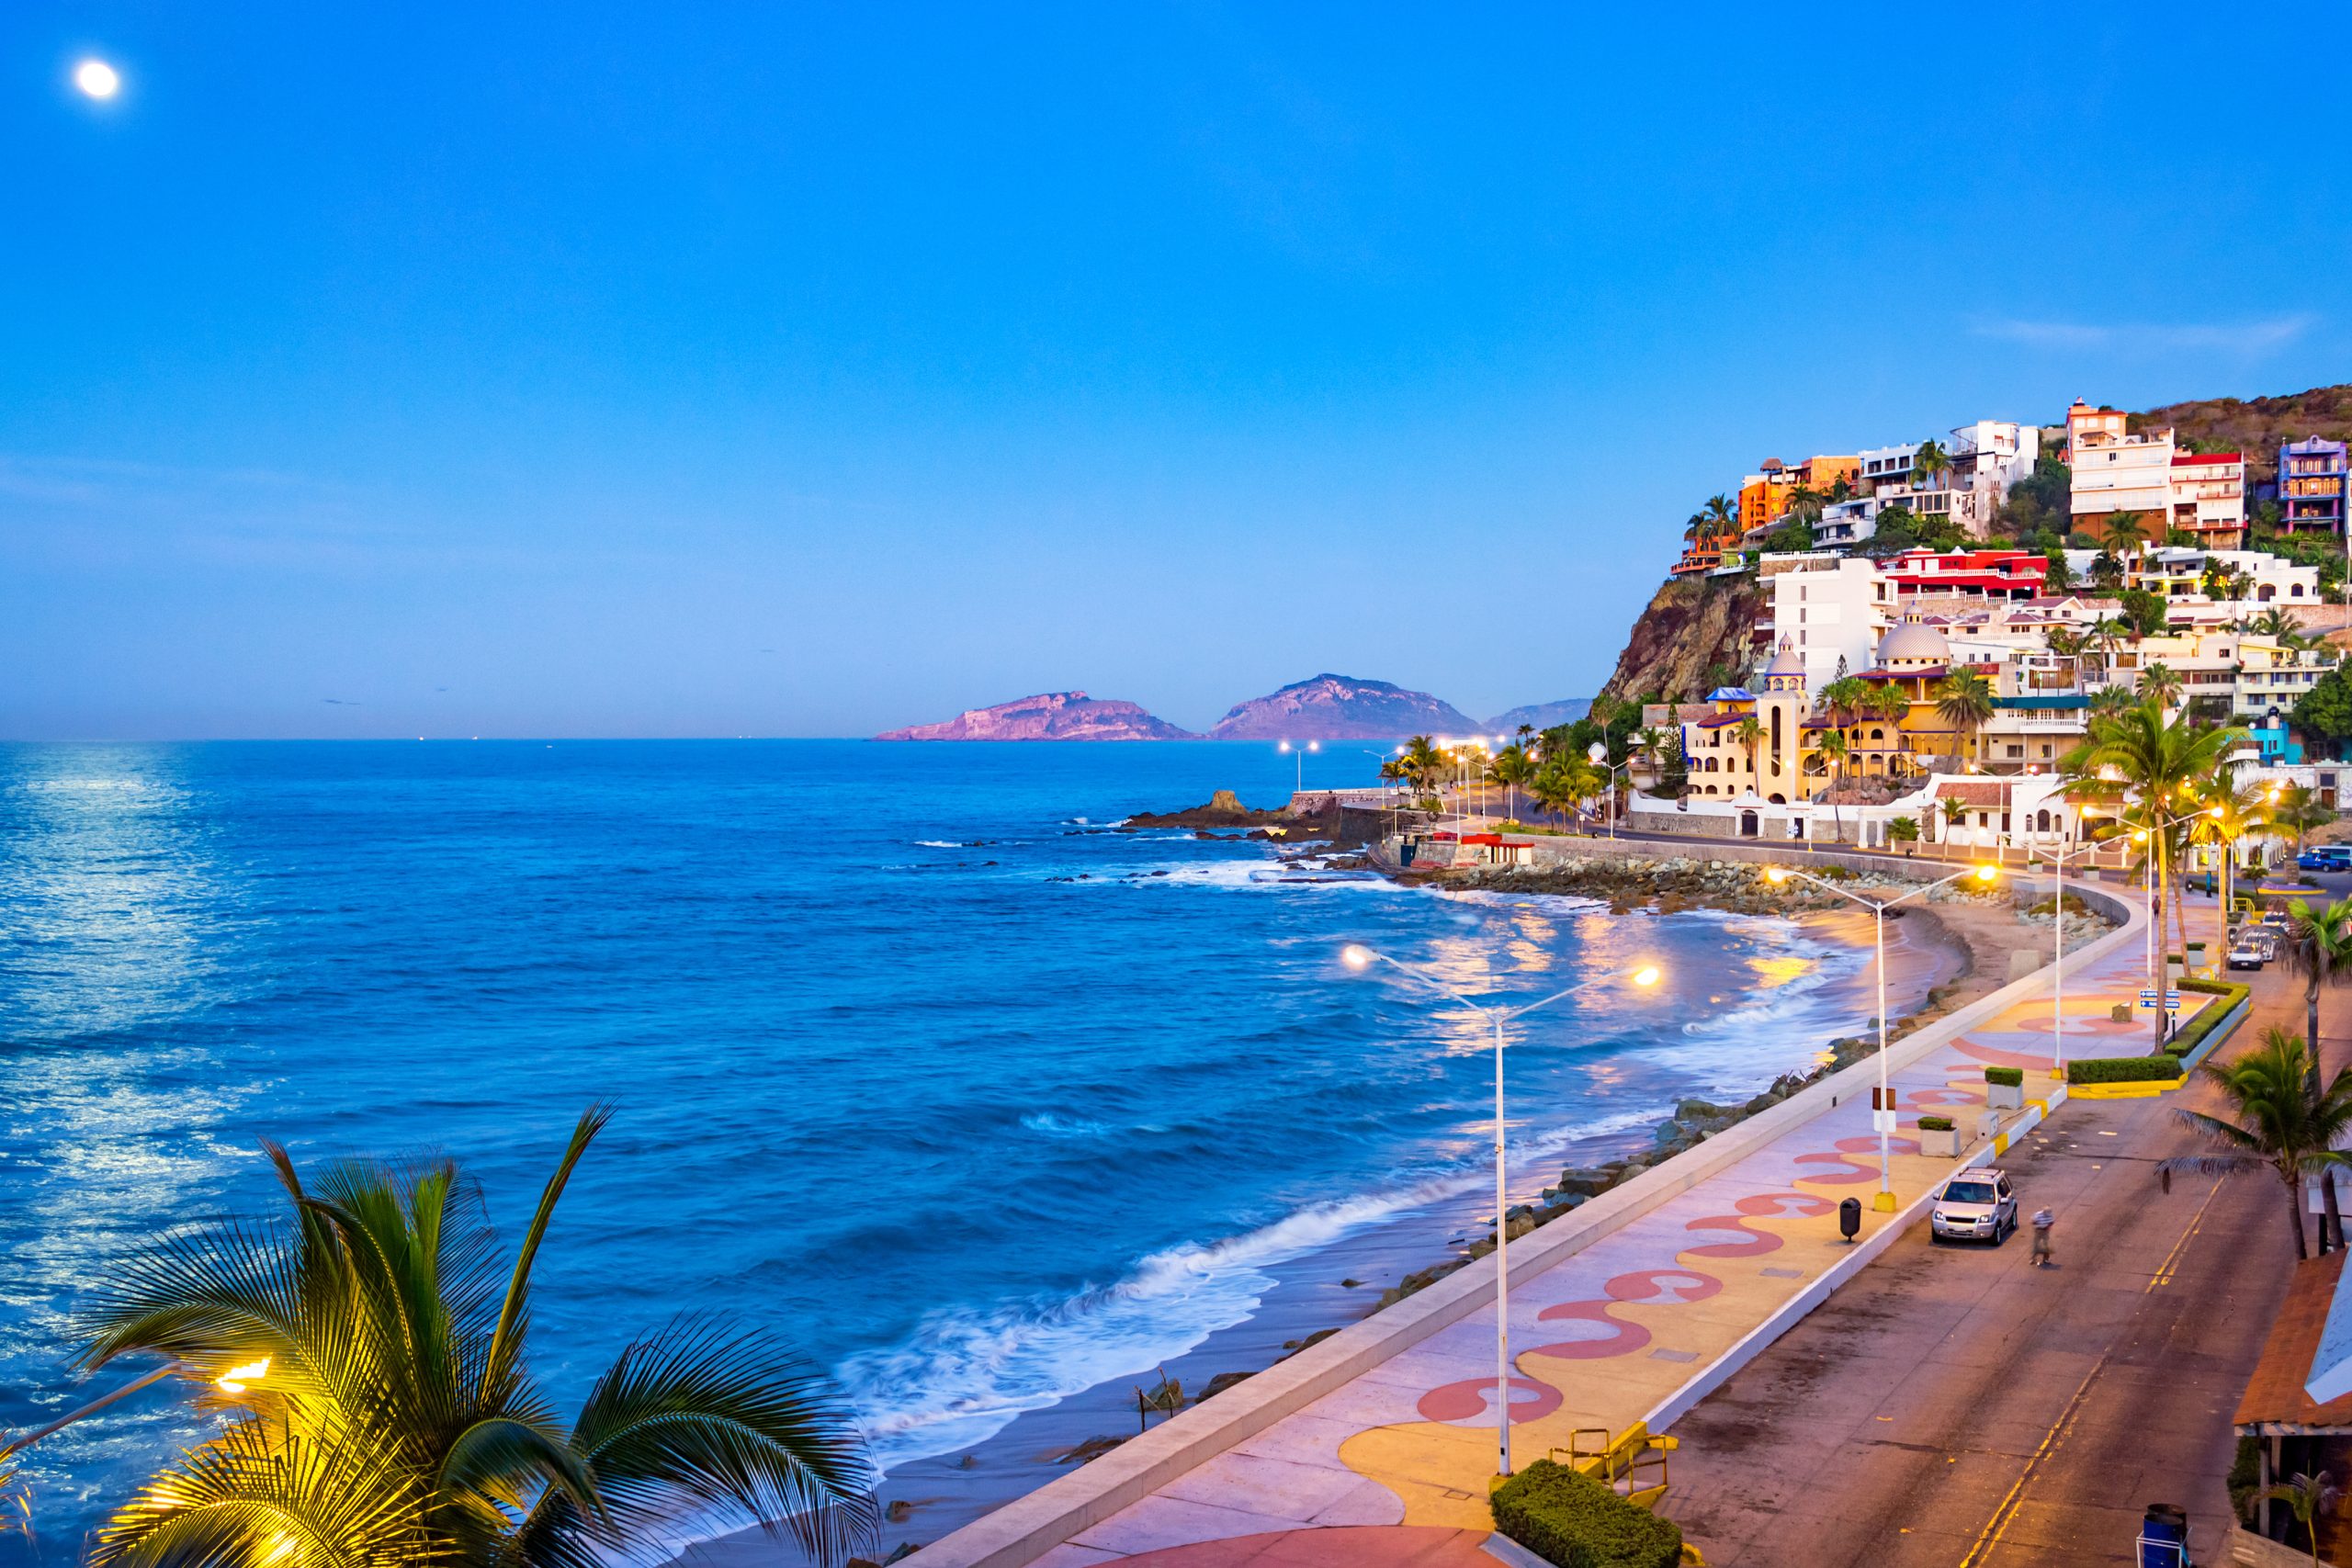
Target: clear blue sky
{"points": [[806, 370]]}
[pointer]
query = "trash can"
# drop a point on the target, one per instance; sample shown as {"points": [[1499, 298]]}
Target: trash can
{"points": [[1849, 1218], [2164, 1537]]}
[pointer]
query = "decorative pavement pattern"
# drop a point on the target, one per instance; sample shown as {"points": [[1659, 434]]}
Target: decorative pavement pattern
{"points": [[1393, 1468]]}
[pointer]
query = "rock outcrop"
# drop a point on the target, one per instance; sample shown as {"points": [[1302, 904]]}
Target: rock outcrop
{"points": [[1339, 707], [1693, 634], [1051, 715]]}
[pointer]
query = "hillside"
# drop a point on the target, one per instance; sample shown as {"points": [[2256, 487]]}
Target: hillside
{"points": [[1540, 716], [1050, 716], [1692, 634], [1340, 707], [2256, 425]]}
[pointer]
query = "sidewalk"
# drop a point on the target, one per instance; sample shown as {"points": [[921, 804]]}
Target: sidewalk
{"points": [[1393, 1465]]}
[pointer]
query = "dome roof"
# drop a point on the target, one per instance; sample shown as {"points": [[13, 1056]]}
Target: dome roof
{"points": [[1913, 643], [1788, 661]]}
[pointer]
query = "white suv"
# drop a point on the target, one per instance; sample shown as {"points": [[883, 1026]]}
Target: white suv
{"points": [[1976, 1205]]}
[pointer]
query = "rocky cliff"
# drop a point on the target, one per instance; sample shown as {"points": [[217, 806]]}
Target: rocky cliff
{"points": [[1693, 634], [1339, 707], [1051, 715]]}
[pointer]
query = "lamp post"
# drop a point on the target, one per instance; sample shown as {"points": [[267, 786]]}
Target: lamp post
{"points": [[1359, 957], [2058, 859], [1884, 1115], [1598, 755], [1300, 752], [2154, 838]]}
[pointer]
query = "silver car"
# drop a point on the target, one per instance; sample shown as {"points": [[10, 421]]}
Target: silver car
{"points": [[1976, 1205]]}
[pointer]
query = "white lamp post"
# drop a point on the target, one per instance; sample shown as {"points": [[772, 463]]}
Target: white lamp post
{"points": [[1300, 752], [2058, 859], [1598, 755], [1883, 1116], [1359, 957]]}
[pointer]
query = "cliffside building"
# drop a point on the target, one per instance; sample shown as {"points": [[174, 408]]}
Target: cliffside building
{"points": [[1764, 496], [2209, 497], [2314, 484], [1831, 609], [2116, 471]]}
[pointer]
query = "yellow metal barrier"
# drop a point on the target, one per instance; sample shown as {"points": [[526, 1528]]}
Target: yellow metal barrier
{"points": [[1633, 1464]]}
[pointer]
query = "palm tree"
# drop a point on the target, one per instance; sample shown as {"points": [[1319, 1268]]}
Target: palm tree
{"points": [[1420, 764], [1955, 815], [2108, 702], [2161, 683], [2308, 1498], [384, 1416], [2232, 812], [1554, 787], [2125, 531], [1927, 463], [2319, 948], [1723, 512], [1751, 730], [1514, 767], [2279, 1123], [1965, 701], [2160, 763], [1904, 830], [1833, 749], [2277, 625], [2301, 810], [1843, 698]]}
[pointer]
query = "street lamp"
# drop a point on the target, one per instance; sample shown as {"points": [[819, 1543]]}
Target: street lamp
{"points": [[2157, 886], [1598, 755], [1883, 1114], [1301, 751], [2058, 859], [1358, 957]]}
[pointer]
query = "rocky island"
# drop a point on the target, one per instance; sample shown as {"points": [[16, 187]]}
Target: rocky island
{"points": [[1340, 707], [1049, 715]]}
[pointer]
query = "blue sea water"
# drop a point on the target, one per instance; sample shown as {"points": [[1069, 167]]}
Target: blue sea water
{"points": [[918, 1060]]}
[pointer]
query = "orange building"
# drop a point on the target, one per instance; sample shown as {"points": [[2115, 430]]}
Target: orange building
{"points": [[1764, 497]]}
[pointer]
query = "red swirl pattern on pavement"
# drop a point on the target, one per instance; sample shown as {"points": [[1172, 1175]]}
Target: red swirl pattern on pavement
{"points": [[1474, 1396], [1856, 1170], [1758, 1242], [1650, 1286]]}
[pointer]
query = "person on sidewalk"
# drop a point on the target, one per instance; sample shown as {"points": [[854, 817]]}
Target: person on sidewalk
{"points": [[2043, 1220]]}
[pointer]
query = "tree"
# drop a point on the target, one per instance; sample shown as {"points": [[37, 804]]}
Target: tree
{"points": [[1515, 768], [2231, 811], [2308, 1499], [1904, 830], [1927, 463], [2319, 948], [2059, 577], [2038, 503], [2299, 811], [387, 1418], [1965, 701], [1723, 512], [2160, 684], [1421, 765], [1843, 698], [2160, 765], [2126, 532], [2325, 713], [2278, 626], [1832, 751], [2277, 1122], [1751, 730], [2145, 613], [1955, 815]]}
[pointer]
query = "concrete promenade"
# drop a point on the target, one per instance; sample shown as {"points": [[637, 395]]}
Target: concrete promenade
{"points": [[1636, 1322]]}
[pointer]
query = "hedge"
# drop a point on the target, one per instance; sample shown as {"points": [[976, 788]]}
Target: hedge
{"points": [[2192, 1033], [2123, 1069], [1568, 1517], [2012, 1077], [1935, 1124]]}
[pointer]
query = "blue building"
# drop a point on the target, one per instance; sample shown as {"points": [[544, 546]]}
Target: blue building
{"points": [[2314, 479]]}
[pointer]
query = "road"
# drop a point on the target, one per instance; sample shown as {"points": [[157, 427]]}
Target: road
{"points": [[1961, 1408]]}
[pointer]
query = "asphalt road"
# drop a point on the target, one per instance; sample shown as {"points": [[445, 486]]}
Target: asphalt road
{"points": [[1958, 1407]]}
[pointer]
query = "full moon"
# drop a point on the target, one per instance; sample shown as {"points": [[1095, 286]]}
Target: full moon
{"points": [[97, 79]]}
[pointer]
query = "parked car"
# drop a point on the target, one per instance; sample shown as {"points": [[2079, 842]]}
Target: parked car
{"points": [[1976, 1205], [2251, 951], [2327, 857]]}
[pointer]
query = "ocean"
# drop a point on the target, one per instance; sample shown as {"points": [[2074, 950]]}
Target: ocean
{"points": [[918, 1059]]}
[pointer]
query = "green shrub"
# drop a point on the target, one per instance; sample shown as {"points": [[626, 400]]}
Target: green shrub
{"points": [[1568, 1517], [2013, 1078], [1935, 1123], [2192, 1033], [2161, 1068], [2245, 1477]]}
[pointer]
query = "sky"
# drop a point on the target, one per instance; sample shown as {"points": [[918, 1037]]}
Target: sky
{"points": [[808, 370]]}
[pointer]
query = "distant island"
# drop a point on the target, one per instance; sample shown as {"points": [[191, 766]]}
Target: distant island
{"points": [[1049, 715], [1340, 707], [1325, 707]]}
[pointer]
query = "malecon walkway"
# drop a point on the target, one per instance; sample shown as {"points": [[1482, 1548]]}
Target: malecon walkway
{"points": [[1393, 1465]]}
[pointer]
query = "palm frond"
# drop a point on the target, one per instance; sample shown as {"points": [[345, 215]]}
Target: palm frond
{"points": [[263, 1495], [506, 1338], [707, 1416]]}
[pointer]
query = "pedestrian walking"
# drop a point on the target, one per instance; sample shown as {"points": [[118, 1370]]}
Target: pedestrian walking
{"points": [[2043, 1220]]}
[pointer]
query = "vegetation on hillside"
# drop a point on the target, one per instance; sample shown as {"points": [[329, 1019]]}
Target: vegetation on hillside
{"points": [[2255, 425]]}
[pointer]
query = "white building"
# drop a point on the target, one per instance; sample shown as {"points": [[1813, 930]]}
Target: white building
{"points": [[2117, 471], [1830, 609], [2209, 496], [1988, 458], [1887, 464], [2181, 573]]}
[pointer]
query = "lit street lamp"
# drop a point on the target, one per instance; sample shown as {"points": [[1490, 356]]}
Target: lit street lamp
{"points": [[1358, 957], [1598, 755], [2058, 859], [1884, 1115], [1300, 752]]}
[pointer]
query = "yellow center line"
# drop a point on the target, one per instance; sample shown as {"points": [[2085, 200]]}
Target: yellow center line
{"points": [[2003, 1516]]}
